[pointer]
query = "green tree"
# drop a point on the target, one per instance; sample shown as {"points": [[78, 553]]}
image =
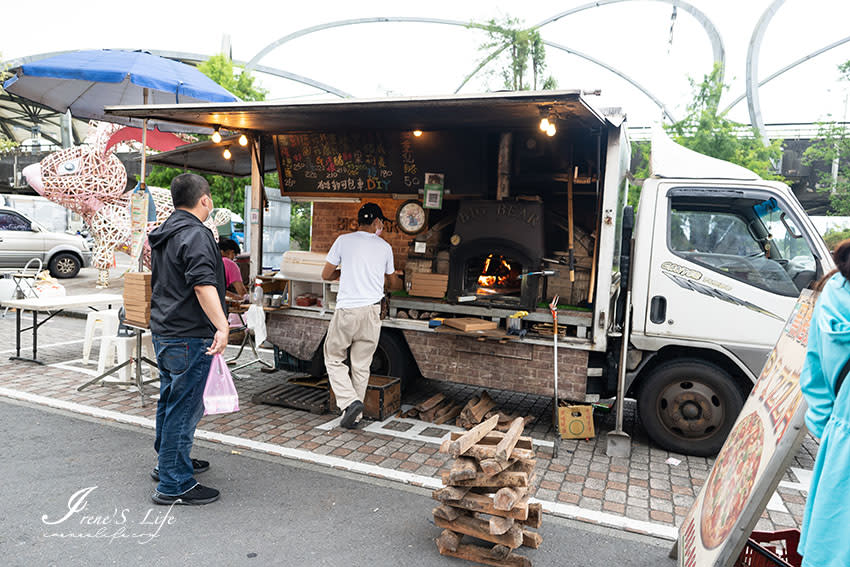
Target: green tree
{"points": [[220, 69], [5, 143], [832, 145], [299, 227], [707, 131], [520, 51]]}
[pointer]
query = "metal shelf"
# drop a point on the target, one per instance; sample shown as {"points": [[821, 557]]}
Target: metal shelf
{"points": [[578, 318]]}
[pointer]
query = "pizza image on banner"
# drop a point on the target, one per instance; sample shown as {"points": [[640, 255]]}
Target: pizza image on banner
{"points": [[731, 481], [767, 433]]}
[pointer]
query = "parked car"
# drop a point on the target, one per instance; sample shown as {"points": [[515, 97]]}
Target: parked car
{"points": [[22, 239]]}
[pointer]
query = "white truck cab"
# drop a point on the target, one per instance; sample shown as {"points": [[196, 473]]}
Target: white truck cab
{"points": [[720, 257]]}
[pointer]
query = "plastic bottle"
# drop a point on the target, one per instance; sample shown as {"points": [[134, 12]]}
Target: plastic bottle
{"points": [[257, 294]]}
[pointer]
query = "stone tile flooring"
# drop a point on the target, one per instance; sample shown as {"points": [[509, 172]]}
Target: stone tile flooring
{"points": [[644, 492]]}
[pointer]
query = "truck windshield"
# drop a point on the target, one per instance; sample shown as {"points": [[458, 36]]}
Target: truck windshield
{"points": [[752, 241]]}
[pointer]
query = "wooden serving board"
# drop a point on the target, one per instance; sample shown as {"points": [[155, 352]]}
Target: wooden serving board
{"points": [[468, 324]]}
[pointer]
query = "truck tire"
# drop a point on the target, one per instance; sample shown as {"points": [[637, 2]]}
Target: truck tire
{"points": [[689, 406], [391, 358], [64, 265]]}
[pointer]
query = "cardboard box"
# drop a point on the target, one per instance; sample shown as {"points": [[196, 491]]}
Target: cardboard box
{"points": [[575, 422], [428, 285], [137, 298], [383, 397]]}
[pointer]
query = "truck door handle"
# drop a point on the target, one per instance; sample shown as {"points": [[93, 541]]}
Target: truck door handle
{"points": [[658, 309]]}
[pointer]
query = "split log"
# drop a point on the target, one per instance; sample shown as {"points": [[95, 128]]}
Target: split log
{"points": [[494, 437], [449, 415], [494, 466], [446, 512], [503, 427], [507, 444], [487, 452], [501, 551], [531, 539], [431, 414], [478, 528], [448, 540], [464, 468], [445, 446], [412, 412], [503, 479], [471, 437], [431, 402], [506, 498], [535, 516], [482, 503], [500, 525], [461, 421], [450, 493], [485, 556], [476, 413]]}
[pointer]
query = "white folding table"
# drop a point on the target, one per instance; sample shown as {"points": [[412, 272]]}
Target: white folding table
{"points": [[53, 306]]}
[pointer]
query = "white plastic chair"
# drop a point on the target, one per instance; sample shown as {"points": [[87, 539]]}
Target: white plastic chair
{"points": [[107, 320], [122, 347]]}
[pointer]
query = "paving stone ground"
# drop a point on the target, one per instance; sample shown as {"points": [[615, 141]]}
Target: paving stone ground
{"points": [[645, 486]]}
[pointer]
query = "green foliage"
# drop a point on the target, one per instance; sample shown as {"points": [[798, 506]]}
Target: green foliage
{"points": [[5, 143], [706, 131], [220, 69], [299, 227], [832, 142], [525, 53], [833, 237]]}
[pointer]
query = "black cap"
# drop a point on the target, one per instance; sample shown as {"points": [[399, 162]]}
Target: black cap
{"points": [[368, 213]]}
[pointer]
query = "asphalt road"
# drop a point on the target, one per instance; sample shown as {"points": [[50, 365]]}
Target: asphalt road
{"points": [[75, 492]]}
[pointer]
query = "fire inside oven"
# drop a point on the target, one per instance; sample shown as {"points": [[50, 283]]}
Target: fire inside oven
{"points": [[494, 275]]}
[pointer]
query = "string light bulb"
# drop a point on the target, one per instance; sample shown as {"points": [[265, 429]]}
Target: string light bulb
{"points": [[417, 133], [226, 153], [243, 140], [550, 130], [544, 124], [216, 137]]}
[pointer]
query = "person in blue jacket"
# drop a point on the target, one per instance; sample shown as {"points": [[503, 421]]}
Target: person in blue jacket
{"points": [[824, 540]]}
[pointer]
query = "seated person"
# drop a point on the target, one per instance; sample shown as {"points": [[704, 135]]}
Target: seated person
{"points": [[234, 288]]}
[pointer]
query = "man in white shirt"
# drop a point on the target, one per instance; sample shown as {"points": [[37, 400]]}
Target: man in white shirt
{"points": [[360, 260]]}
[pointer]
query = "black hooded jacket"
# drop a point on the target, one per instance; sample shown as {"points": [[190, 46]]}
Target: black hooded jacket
{"points": [[184, 254]]}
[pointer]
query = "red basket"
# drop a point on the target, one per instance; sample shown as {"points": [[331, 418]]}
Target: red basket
{"points": [[771, 549]]}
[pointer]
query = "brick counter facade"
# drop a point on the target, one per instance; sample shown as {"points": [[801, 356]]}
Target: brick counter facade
{"points": [[519, 367], [299, 336]]}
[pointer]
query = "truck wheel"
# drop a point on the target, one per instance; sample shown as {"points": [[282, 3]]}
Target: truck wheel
{"points": [[689, 406], [64, 265], [393, 359]]}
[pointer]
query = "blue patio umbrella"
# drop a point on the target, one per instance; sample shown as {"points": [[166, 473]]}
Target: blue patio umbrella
{"points": [[87, 81]]}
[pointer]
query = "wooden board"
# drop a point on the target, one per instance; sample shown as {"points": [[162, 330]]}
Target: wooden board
{"points": [[503, 479], [485, 556], [483, 503], [469, 324], [478, 528]]}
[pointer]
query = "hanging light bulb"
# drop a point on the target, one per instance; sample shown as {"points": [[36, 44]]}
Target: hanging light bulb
{"points": [[544, 124], [216, 137], [417, 133], [243, 140], [226, 153], [550, 130]]}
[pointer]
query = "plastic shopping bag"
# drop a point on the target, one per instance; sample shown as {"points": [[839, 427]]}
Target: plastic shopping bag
{"points": [[220, 394]]}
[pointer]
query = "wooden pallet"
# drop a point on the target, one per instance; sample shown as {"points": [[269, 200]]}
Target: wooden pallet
{"points": [[308, 398], [485, 496]]}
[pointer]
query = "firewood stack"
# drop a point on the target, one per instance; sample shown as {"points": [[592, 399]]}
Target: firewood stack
{"points": [[486, 495], [441, 409]]}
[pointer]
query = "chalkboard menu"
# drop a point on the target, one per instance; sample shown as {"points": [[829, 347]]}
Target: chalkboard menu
{"points": [[379, 161]]}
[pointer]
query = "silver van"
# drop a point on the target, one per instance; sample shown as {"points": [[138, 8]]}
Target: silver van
{"points": [[22, 239]]}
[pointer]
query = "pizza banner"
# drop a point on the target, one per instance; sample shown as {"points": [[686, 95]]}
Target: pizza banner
{"points": [[756, 454]]}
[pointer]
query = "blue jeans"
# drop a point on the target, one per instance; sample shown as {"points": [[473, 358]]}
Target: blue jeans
{"points": [[183, 368]]}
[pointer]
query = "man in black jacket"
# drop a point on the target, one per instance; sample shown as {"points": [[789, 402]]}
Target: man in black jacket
{"points": [[189, 325]]}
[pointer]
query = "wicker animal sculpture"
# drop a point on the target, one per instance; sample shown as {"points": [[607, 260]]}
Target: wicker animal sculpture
{"points": [[91, 181]]}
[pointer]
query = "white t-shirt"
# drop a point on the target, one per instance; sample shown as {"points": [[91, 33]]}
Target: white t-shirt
{"points": [[363, 259]]}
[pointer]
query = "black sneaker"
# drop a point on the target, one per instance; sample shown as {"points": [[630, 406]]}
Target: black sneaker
{"points": [[350, 414], [198, 466], [196, 496]]}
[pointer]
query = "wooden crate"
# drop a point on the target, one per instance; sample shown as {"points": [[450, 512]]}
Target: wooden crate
{"points": [[428, 285], [383, 397], [137, 298], [469, 324]]}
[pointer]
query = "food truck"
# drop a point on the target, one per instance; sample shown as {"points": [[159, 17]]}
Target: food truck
{"points": [[498, 203]]}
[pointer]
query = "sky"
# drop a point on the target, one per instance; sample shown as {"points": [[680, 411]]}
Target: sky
{"points": [[408, 59]]}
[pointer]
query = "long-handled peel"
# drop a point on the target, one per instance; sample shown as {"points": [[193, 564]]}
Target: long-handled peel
{"points": [[553, 308]]}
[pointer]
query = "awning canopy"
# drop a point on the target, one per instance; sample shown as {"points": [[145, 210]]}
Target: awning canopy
{"points": [[504, 110], [206, 157]]}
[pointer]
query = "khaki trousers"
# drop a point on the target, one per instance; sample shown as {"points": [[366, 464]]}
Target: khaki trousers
{"points": [[353, 333]]}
